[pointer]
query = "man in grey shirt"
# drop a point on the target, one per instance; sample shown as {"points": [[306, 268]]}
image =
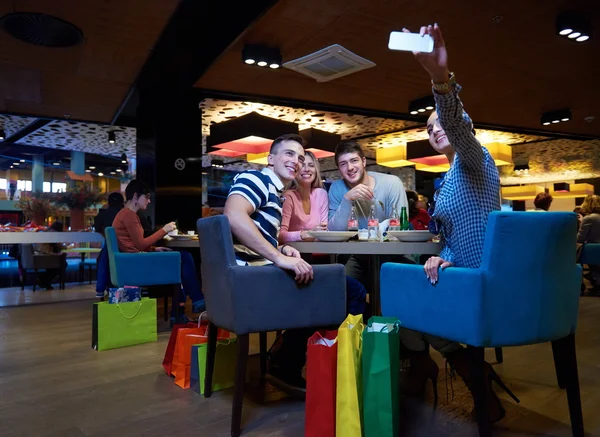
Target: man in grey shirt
{"points": [[363, 189]]}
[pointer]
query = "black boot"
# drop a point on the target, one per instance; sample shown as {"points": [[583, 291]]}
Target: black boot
{"points": [[421, 368], [460, 361]]}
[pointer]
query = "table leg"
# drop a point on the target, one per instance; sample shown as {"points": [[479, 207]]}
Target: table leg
{"points": [[374, 296]]}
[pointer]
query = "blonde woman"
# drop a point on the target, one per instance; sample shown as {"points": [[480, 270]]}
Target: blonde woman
{"points": [[306, 205], [589, 232]]}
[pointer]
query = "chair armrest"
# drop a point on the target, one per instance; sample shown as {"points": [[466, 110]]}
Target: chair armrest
{"points": [[452, 308], [148, 268], [268, 298]]}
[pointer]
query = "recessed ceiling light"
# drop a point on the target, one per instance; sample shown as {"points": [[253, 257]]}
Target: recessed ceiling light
{"points": [[555, 121], [56, 163], [565, 31], [88, 171], [113, 172], [574, 35], [22, 160], [565, 119], [573, 25], [421, 110], [546, 123], [92, 167], [274, 66], [100, 174], [414, 112], [261, 63], [554, 117], [16, 163], [582, 38], [429, 108], [249, 61], [11, 166], [119, 170]]}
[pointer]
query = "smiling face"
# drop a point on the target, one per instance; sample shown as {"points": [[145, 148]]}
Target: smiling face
{"points": [[437, 135], [287, 160], [307, 173], [352, 168]]}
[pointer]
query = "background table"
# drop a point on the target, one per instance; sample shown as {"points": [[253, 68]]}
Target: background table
{"points": [[374, 250], [50, 237]]}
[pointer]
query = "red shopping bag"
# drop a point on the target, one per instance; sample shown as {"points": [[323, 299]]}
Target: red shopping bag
{"points": [[186, 338], [321, 376], [168, 359]]}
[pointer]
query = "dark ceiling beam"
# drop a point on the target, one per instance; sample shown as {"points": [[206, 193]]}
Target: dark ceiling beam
{"points": [[27, 130], [198, 32]]}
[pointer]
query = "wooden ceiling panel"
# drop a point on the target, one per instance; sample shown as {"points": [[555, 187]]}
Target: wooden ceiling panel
{"points": [[511, 70], [91, 80]]}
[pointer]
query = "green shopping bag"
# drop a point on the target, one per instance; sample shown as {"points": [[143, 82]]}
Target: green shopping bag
{"points": [[225, 361], [381, 382], [123, 324]]}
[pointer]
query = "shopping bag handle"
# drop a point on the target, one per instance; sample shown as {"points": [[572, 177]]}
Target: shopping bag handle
{"points": [[200, 318], [136, 313]]}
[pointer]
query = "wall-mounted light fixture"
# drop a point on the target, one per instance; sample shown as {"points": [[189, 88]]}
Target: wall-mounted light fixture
{"points": [[555, 117], [112, 137], [261, 56], [2, 135], [573, 26], [124, 158], [421, 105], [216, 163]]}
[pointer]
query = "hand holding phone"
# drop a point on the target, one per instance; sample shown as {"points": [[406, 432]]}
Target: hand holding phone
{"points": [[411, 42]]}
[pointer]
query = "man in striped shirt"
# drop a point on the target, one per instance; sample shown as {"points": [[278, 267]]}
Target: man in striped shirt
{"points": [[254, 207]]}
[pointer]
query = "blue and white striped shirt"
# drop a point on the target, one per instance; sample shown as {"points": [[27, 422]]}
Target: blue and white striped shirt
{"points": [[263, 190]]}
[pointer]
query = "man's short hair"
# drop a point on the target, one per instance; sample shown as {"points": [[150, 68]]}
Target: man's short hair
{"points": [[348, 147], [543, 201], [136, 186], [282, 139], [115, 199]]}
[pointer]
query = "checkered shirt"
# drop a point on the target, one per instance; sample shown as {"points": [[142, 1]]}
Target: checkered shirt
{"points": [[470, 190]]}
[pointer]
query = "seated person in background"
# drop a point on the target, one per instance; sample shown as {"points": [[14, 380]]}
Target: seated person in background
{"points": [[306, 205], [104, 219], [130, 236], [363, 190], [589, 232], [46, 277], [254, 209], [418, 217], [577, 210], [542, 202]]}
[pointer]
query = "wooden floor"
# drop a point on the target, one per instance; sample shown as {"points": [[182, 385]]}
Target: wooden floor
{"points": [[53, 384]]}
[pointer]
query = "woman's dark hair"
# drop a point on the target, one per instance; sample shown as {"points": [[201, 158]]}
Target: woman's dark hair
{"points": [[136, 186], [543, 201], [413, 198]]}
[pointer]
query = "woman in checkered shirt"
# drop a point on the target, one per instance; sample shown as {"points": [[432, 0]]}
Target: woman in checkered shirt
{"points": [[470, 191]]}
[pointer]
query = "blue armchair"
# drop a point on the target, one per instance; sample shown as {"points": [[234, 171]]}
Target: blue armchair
{"points": [[144, 268], [590, 256], [525, 292], [244, 300]]}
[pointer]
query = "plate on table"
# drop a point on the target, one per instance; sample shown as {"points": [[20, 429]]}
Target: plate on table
{"points": [[333, 235], [183, 237], [413, 236]]}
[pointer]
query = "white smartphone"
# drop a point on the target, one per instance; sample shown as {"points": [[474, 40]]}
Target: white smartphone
{"points": [[412, 42]]}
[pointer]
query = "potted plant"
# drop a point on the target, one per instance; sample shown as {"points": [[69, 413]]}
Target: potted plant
{"points": [[77, 199], [36, 207]]}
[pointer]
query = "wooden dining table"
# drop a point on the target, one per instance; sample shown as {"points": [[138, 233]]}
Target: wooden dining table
{"points": [[374, 249]]}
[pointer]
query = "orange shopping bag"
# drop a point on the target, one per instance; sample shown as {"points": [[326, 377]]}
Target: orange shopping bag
{"points": [[186, 338]]}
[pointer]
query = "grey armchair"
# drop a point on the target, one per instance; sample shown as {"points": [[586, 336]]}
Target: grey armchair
{"points": [[30, 261], [244, 300]]}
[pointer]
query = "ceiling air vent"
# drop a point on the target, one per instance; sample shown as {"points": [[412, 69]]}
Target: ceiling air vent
{"points": [[329, 63], [41, 29]]}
